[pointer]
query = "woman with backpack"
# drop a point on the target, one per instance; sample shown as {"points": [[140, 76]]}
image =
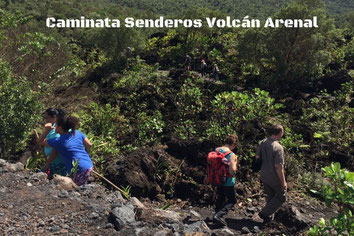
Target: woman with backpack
{"points": [[73, 146], [223, 161]]}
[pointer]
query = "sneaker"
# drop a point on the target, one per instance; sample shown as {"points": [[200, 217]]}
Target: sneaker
{"points": [[265, 219], [219, 220]]}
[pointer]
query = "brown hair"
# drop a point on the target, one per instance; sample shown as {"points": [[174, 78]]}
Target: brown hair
{"points": [[68, 123], [231, 139], [276, 129]]}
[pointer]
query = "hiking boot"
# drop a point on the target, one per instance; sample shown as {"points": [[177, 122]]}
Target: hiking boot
{"points": [[220, 220], [265, 219]]}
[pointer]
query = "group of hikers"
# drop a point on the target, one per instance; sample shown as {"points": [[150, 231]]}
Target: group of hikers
{"points": [[203, 67], [65, 147], [269, 155]]}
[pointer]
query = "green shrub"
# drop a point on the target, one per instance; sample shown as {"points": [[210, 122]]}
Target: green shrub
{"points": [[231, 109], [104, 120], [189, 105], [328, 118], [19, 109], [311, 180], [141, 88], [343, 224], [104, 148], [293, 146], [340, 189], [104, 127], [150, 128], [341, 185]]}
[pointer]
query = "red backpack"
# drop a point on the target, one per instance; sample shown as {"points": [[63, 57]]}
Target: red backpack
{"points": [[217, 168]]}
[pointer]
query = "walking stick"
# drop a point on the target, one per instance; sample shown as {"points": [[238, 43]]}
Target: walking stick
{"points": [[115, 186]]}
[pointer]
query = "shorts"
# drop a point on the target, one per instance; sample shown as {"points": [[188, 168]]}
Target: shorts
{"points": [[81, 177]]}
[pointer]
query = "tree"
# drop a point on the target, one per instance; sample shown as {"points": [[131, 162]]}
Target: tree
{"points": [[290, 54], [115, 41], [19, 107]]}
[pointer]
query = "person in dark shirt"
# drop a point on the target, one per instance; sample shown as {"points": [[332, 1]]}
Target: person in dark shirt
{"points": [[187, 62], [204, 67]]}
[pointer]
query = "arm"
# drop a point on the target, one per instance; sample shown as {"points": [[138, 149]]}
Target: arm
{"points": [[279, 166], [87, 145], [47, 128], [45, 143], [233, 164], [51, 158], [280, 172], [258, 153]]}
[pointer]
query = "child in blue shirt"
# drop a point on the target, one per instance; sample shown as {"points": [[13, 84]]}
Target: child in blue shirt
{"points": [[72, 146]]}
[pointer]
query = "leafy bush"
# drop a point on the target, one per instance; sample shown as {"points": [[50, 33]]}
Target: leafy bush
{"points": [[189, 105], [139, 89], [35, 162], [231, 109], [104, 149], [328, 118], [19, 109], [311, 180], [340, 189], [150, 128], [341, 185], [104, 120], [104, 127]]}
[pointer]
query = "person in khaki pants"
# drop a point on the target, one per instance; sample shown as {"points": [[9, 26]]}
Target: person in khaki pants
{"points": [[272, 172]]}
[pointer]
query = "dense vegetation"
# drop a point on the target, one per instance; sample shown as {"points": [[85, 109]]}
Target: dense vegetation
{"points": [[302, 78], [258, 8]]}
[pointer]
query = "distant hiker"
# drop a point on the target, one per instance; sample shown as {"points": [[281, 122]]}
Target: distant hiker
{"points": [[215, 72], [221, 170], [72, 145], [50, 116], [187, 62], [272, 172], [129, 52], [204, 67]]}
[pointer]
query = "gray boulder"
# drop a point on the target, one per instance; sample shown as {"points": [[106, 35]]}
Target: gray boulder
{"points": [[122, 216]]}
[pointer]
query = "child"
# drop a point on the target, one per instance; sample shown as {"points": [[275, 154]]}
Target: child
{"points": [[72, 145], [50, 116]]}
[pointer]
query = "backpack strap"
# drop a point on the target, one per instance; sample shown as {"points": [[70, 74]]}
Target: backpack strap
{"points": [[225, 154]]}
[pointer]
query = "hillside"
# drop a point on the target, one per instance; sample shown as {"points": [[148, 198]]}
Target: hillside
{"points": [[152, 120], [237, 9]]}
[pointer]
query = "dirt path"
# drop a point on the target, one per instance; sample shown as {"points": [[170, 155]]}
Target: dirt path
{"points": [[31, 205]]}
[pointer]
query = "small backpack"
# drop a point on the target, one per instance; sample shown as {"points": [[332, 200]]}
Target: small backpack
{"points": [[217, 167]]}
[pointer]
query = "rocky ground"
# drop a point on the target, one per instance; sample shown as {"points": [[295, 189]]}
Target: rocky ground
{"points": [[32, 205]]}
